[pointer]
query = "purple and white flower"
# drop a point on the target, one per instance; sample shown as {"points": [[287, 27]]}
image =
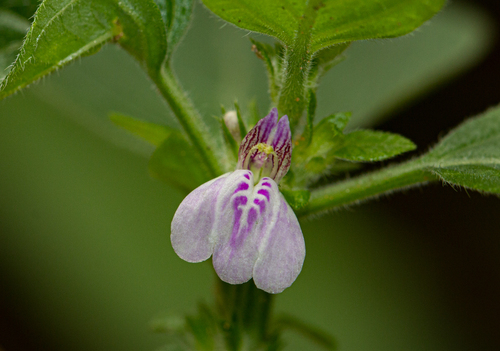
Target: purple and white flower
{"points": [[242, 219]]}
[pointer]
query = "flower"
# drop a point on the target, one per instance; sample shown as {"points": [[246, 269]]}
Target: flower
{"points": [[242, 219]]}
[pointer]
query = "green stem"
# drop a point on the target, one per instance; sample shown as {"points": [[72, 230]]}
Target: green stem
{"points": [[246, 312], [292, 98], [189, 118], [366, 186]]}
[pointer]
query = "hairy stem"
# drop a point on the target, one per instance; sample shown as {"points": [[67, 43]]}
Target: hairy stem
{"points": [[367, 186], [189, 118], [292, 97]]}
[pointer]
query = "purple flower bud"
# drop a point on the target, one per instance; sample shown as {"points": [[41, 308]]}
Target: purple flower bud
{"points": [[242, 219]]}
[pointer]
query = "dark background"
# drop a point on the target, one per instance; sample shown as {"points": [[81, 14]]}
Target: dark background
{"points": [[463, 239], [448, 239]]}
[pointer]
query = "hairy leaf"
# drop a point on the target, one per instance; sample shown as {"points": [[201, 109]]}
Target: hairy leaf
{"points": [[64, 30], [369, 145], [326, 135], [176, 15], [469, 156], [272, 55], [330, 21]]}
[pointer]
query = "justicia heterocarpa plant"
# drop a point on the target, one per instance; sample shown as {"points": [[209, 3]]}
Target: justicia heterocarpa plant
{"points": [[242, 206]]}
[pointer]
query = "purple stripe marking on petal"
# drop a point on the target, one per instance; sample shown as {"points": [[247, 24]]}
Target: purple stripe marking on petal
{"points": [[266, 184], [238, 236], [247, 176], [261, 204], [252, 217], [241, 186], [264, 192], [240, 200]]}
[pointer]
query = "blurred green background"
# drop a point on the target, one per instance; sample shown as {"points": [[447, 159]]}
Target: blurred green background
{"points": [[85, 256]]}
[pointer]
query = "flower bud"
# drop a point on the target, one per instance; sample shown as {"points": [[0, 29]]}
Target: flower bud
{"points": [[231, 121]]}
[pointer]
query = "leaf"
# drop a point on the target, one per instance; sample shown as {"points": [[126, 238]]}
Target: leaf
{"points": [[469, 156], [328, 22], [297, 199], [241, 123], [64, 30], [273, 59], [151, 132], [330, 142], [377, 79], [176, 162], [368, 146], [327, 135], [230, 144], [176, 15]]}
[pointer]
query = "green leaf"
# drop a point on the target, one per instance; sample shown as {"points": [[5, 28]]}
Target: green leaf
{"points": [[338, 121], [377, 79], [327, 135], [241, 123], [329, 142], [306, 27], [176, 15], [230, 143], [469, 156], [297, 199], [176, 162], [64, 30], [151, 132], [330, 21], [273, 59], [330, 148], [368, 145]]}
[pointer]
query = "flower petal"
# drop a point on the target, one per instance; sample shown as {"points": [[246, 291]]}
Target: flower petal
{"points": [[261, 133], [250, 230], [266, 241], [194, 219], [282, 250], [236, 250]]}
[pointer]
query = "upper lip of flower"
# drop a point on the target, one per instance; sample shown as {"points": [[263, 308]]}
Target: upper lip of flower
{"points": [[272, 138], [242, 219]]}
